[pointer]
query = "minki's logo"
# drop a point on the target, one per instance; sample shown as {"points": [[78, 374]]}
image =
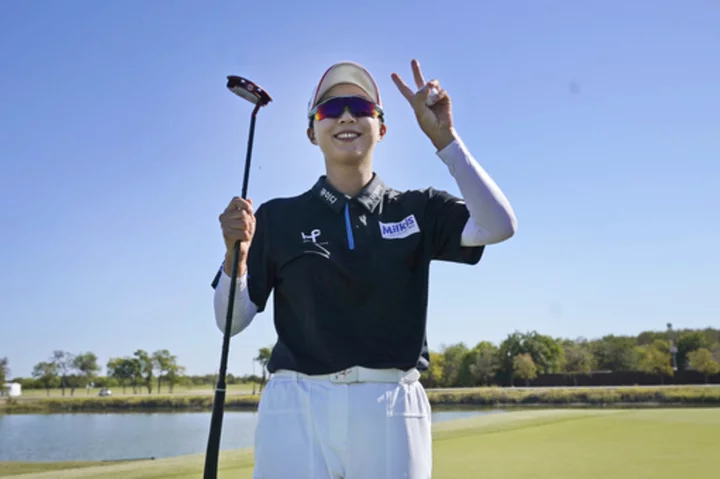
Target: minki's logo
{"points": [[401, 229], [312, 237], [328, 196]]}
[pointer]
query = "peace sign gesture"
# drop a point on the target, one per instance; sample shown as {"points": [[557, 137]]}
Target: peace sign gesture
{"points": [[431, 105]]}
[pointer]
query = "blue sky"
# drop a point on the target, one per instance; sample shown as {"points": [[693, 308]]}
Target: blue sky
{"points": [[119, 147]]}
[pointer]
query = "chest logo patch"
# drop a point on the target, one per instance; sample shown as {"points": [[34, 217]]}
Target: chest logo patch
{"points": [[401, 229], [312, 237]]}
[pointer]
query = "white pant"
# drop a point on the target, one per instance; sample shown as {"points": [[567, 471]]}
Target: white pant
{"points": [[317, 429]]}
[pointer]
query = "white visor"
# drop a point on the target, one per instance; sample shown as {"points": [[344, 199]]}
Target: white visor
{"points": [[345, 72]]}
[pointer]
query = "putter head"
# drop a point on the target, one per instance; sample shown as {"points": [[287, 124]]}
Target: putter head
{"points": [[248, 90]]}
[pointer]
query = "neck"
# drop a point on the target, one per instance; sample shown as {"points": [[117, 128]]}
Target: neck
{"points": [[349, 179]]}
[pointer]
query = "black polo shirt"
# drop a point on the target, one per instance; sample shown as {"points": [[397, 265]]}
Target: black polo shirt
{"points": [[350, 276]]}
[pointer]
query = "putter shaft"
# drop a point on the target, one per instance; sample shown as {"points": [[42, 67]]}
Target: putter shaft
{"points": [[218, 409]]}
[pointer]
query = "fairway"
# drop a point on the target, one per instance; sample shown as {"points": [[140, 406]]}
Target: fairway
{"points": [[538, 444]]}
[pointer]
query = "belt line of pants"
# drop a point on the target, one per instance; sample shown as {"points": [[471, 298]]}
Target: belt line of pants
{"points": [[355, 374]]}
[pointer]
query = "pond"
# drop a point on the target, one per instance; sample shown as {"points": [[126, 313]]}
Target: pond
{"points": [[113, 436]]}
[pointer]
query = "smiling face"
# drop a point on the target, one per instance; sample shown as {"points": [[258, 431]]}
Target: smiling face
{"points": [[346, 140]]}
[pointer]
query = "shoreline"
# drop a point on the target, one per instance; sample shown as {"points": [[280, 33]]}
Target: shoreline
{"points": [[490, 398]]}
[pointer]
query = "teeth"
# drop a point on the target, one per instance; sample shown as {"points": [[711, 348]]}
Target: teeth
{"points": [[346, 136]]}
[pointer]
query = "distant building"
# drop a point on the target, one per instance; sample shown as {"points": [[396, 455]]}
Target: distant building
{"points": [[11, 389]]}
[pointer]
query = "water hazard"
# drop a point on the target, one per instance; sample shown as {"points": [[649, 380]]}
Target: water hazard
{"points": [[97, 437]]}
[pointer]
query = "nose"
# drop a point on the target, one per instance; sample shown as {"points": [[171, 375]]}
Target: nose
{"points": [[346, 116]]}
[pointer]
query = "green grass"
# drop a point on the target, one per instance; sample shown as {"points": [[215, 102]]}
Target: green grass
{"points": [[632, 444], [537, 444]]}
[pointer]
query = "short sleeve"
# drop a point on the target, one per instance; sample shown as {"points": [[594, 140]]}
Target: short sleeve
{"points": [[447, 216], [260, 267]]}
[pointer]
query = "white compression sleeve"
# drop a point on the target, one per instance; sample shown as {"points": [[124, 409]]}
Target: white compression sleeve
{"points": [[244, 310], [492, 219]]}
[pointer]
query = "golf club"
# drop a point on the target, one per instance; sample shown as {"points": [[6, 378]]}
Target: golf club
{"points": [[251, 92]]}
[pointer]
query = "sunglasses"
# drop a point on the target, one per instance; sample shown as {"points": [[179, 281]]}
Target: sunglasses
{"points": [[335, 107]]}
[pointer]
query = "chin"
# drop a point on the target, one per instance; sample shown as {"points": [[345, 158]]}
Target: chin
{"points": [[347, 156]]}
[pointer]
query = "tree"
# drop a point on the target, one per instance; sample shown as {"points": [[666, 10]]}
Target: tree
{"points": [[485, 363], [113, 368], [578, 359], [145, 366], [136, 368], [4, 370], [703, 362], [452, 363], [546, 352], [123, 370], [168, 369], [163, 362], [174, 375], [614, 353], [648, 337], [46, 375], [64, 362], [655, 359], [263, 358], [477, 365], [86, 364], [465, 377], [434, 374], [524, 367], [509, 348], [687, 342], [715, 349]]}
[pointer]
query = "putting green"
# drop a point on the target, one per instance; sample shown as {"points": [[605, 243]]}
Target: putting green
{"points": [[539, 444]]}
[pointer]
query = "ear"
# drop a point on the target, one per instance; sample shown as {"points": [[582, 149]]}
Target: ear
{"points": [[311, 136], [383, 130]]}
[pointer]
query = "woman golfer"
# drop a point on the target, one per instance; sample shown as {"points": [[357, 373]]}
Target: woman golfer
{"points": [[348, 262]]}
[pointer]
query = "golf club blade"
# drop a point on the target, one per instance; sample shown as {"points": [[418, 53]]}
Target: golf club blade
{"points": [[248, 90]]}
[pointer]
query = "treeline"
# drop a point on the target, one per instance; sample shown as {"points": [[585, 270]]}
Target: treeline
{"points": [[522, 358], [527, 356], [142, 373], [139, 371]]}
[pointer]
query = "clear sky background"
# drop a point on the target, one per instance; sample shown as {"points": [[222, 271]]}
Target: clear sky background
{"points": [[120, 146]]}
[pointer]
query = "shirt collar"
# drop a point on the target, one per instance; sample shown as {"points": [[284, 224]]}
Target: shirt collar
{"points": [[369, 197]]}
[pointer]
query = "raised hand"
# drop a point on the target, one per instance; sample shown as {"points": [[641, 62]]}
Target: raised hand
{"points": [[432, 107], [238, 224]]}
